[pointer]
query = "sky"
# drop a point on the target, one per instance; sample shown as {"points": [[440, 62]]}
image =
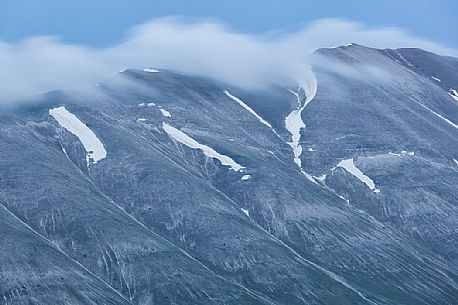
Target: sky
{"points": [[56, 44], [106, 22]]}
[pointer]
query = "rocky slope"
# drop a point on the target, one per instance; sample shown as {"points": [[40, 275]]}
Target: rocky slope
{"points": [[177, 189]]}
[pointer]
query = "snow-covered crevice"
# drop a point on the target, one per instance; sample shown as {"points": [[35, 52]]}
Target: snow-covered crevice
{"points": [[184, 139], [95, 151], [454, 94], [248, 108], [404, 60], [351, 168], [294, 122], [435, 113]]}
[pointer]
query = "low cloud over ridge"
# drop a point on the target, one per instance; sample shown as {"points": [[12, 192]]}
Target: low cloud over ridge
{"points": [[44, 63]]}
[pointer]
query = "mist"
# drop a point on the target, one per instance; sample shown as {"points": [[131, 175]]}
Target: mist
{"points": [[207, 48]]}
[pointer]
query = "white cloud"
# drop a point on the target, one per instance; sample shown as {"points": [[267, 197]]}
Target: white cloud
{"points": [[210, 49]]}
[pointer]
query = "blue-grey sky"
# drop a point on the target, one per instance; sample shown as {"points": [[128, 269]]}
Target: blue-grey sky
{"points": [[105, 22], [74, 44]]}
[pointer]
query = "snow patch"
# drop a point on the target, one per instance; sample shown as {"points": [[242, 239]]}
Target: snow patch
{"points": [[338, 46], [151, 104], [456, 161], [351, 168], [95, 151], [141, 105], [245, 177], [320, 178], [247, 213], [184, 139], [311, 149], [404, 152], [151, 70], [436, 79], [165, 113], [141, 119]]}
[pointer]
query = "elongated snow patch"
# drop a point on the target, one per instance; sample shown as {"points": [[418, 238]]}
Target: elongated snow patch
{"points": [[183, 138], [350, 167], [248, 108], [95, 151], [294, 122]]}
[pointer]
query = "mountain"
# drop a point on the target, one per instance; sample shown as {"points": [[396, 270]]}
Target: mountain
{"points": [[170, 188]]}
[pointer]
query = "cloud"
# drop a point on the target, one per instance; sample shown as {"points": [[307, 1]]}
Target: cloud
{"points": [[44, 63], [335, 32]]}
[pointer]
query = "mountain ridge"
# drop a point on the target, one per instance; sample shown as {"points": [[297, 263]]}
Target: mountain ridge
{"points": [[303, 239]]}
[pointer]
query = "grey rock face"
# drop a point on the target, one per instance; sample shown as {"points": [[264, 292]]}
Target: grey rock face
{"points": [[47, 191], [161, 221], [36, 272], [406, 139]]}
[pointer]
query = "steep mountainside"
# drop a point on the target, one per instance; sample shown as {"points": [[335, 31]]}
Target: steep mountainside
{"points": [[176, 189]]}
